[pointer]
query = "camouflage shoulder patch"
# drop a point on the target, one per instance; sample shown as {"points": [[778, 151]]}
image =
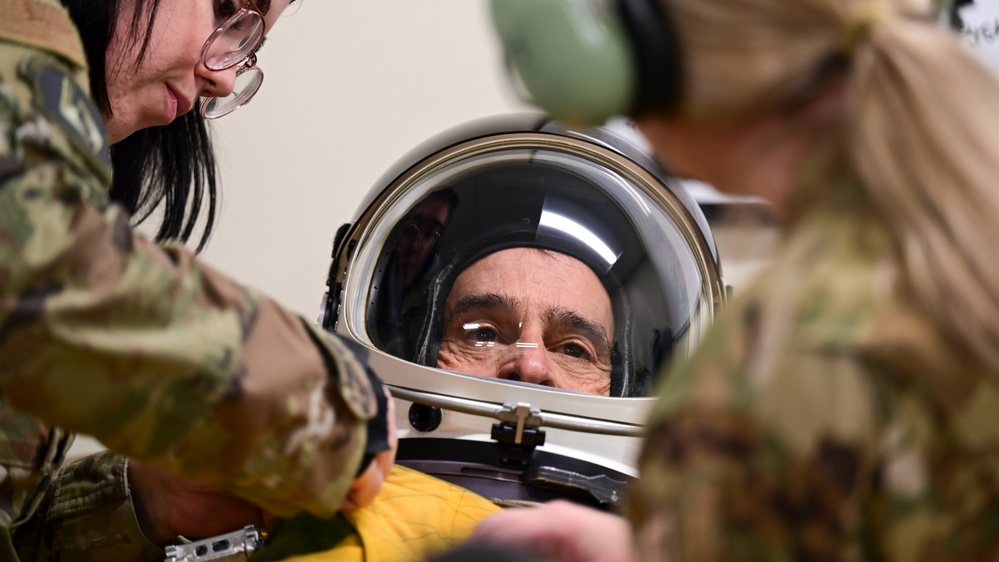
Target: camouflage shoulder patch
{"points": [[62, 100]]}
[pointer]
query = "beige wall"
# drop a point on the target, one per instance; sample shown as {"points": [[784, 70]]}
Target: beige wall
{"points": [[350, 86]]}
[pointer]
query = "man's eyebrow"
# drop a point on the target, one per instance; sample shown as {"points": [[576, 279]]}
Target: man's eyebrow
{"points": [[482, 301], [593, 331]]}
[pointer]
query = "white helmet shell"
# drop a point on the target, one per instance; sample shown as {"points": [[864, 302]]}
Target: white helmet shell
{"points": [[524, 181]]}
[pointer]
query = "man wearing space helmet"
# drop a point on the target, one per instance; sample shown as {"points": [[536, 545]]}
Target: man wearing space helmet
{"points": [[561, 267], [641, 304]]}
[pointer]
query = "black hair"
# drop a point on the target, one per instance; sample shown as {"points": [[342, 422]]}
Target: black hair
{"points": [[171, 166]]}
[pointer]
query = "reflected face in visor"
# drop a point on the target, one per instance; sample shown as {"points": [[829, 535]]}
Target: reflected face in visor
{"points": [[418, 238], [530, 315]]}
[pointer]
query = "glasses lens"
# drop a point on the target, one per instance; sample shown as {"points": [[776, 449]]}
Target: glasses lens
{"points": [[248, 81], [238, 37]]}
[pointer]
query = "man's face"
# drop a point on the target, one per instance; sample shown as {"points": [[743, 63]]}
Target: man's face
{"points": [[530, 315]]}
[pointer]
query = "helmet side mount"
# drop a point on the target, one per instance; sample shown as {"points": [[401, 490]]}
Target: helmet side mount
{"points": [[518, 432]]}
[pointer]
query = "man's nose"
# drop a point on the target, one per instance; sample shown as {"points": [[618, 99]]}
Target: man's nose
{"points": [[528, 364]]}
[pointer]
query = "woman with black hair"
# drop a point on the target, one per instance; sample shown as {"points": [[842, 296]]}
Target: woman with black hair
{"points": [[107, 333], [171, 167]]}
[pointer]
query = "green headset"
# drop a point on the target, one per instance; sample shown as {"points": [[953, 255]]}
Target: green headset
{"points": [[584, 61]]}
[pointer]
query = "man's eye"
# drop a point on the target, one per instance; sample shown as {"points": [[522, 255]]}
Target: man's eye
{"points": [[483, 335], [576, 351], [479, 332]]}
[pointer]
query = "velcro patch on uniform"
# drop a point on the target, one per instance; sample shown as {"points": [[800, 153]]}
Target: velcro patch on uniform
{"points": [[69, 108]]}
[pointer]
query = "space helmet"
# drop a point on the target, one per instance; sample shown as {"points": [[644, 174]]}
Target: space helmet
{"points": [[524, 181]]}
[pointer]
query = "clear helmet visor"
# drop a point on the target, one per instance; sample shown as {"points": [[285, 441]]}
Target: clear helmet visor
{"points": [[540, 258]]}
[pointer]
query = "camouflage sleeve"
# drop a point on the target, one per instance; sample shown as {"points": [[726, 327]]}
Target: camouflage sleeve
{"points": [[87, 515], [157, 355], [742, 463]]}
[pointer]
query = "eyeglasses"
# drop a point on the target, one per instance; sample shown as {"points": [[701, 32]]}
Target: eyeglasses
{"points": [[234, 43], [428, 234]]}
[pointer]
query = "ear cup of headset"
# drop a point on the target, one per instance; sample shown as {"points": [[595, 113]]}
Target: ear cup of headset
{"points": [[571, 58], [585, 61]]}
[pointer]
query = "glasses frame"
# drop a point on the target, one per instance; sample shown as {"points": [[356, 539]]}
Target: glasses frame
{"points": [[433, 236], [243, 65]]}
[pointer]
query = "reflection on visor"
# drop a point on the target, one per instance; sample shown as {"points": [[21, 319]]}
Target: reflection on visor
{"points": [[579, 232]]}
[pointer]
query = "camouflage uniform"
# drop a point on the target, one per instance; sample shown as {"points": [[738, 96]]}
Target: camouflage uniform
{"points": [[824, 418], [155, 354]]}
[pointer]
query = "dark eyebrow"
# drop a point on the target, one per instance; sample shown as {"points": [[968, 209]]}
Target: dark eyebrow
{"points": [[487, 301], [261, 45], [591, 330]]}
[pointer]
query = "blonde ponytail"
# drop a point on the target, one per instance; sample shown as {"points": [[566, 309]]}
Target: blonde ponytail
{"points": [[922, 130], [920, 134]]}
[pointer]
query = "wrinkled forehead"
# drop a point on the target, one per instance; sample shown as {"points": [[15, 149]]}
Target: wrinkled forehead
{"points": [[538, 276], [531, 264]]}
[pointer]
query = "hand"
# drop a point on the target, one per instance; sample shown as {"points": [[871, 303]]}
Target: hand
{"points": [[167, 506], [562, 531], [369, 483]]}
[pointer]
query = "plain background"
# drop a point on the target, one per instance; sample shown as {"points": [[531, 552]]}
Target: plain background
{"points": [[350, 87]]}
